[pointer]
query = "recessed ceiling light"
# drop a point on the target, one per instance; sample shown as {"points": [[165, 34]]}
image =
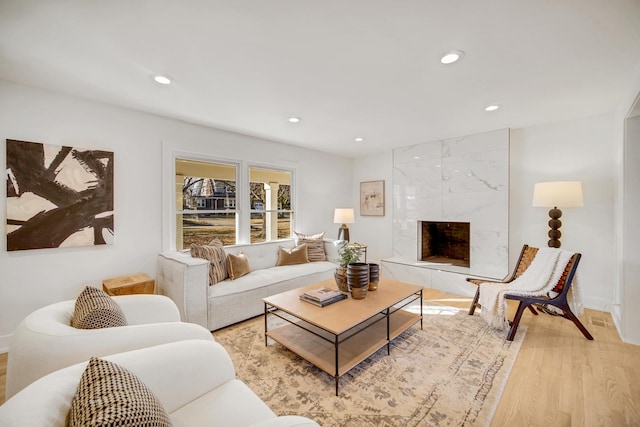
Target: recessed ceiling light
{"points": [[451, 57], [163, 80], [492, 107], [359, 139], [294, 119]]}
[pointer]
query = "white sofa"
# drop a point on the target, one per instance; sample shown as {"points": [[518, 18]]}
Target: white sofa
{"points": [[45, 341], [186, 281], [194, 380]]}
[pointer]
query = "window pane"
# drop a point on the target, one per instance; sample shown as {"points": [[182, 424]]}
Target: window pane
{"points": [[285, 221], [200, 229], [258, 227], [259, 221], [270, 196], [259, 192], [206, 187], [208, 194]]}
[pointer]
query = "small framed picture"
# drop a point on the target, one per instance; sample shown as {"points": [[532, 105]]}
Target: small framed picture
{"points": [[372, 198]]}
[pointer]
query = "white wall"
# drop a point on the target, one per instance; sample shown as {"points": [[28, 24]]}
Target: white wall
{"points": [[572, 150], [34, 278], [578, 150], [627, 292], [631, 250], [374, 231]]}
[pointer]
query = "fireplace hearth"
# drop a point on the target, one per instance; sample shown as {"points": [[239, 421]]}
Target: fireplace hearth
{"points": [[444, 242]]}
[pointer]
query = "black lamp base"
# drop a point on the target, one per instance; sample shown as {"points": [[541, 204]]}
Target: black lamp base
{"points": [[554, 225]]}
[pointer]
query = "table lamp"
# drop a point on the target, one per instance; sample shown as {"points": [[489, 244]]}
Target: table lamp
{"points": [[343, 216], [565, 194]]}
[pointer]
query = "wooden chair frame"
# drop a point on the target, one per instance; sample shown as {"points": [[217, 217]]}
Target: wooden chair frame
{"points": [[560, 300]]}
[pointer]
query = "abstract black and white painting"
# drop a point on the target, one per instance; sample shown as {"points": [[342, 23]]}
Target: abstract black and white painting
{"points": [[58, 196]]}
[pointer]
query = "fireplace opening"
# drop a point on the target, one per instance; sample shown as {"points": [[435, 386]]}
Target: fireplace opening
{"points": [[444, 242]]}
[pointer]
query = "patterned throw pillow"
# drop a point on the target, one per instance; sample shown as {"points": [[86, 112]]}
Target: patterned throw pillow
{"points": [[297, 255], [315, 245], [214, 253], [238, 265], [95, 309], [110, 395]]}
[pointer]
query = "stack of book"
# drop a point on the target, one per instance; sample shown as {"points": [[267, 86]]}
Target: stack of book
{"points": [[323, 296]]}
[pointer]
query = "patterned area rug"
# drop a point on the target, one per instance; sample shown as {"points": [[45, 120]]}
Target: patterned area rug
{"points": [[452, 373]]}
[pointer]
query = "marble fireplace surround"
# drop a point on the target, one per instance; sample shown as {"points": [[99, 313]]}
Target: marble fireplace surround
{"points": [[464, 179]]}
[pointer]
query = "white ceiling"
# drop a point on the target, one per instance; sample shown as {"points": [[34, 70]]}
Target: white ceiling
{"points": [[348, 68]]}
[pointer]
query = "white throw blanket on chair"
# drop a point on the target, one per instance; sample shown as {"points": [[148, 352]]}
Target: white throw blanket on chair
{"points": [[538, 279]]}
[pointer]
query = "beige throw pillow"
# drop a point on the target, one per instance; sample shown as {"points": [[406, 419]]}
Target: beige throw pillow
{"points": [[237, 265], [215, 254], [296, 255], [95, 309], [315, 245], [110, 395]]}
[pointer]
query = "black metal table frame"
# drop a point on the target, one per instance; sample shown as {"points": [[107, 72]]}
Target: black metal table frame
{"points": [[349, 333]]}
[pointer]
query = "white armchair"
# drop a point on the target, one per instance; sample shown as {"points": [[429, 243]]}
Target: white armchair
{"points": [[194, 380], [45, 341]]}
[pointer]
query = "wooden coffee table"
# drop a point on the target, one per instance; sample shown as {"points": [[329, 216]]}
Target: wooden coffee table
{"points": [[338, 337]]}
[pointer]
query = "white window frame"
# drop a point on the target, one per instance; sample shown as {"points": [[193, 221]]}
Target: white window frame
{"points": [[243, 221]]}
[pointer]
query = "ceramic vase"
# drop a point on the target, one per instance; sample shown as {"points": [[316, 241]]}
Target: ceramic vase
{"points": [[358, 279], [340, 277], [374, 276]]}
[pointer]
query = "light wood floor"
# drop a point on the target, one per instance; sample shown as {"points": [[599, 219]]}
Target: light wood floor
{"points": [[559, 378], [562, 379]]}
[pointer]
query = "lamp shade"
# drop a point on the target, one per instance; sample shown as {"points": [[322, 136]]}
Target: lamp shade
{"points": [[343, 216], [563, 194]]}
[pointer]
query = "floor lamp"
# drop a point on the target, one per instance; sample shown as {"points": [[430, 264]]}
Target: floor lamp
{"points": [[344, 217], [565, 194]]}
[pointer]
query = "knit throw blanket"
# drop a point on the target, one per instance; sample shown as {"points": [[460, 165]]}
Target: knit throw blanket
{"points": [[538, 279]]}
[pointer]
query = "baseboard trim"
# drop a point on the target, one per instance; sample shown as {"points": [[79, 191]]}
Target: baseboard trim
{"points": [[597, 304], [616, 315]]}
